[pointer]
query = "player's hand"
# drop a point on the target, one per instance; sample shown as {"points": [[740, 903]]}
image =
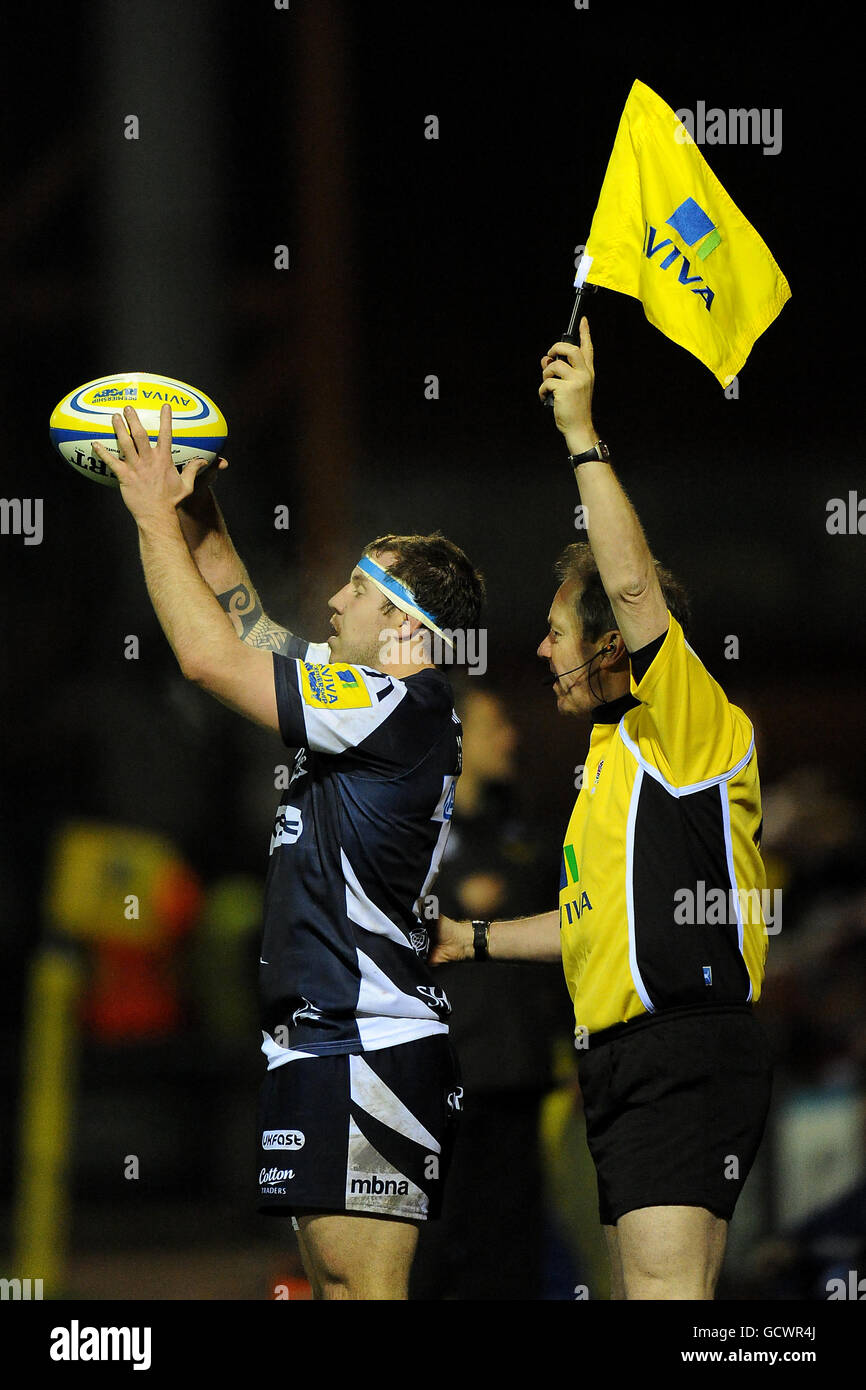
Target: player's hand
{"points": [[452, 941], [149, 482], [569, 376], [200, 502]]}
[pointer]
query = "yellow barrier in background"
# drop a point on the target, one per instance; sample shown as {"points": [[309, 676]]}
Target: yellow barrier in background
{"points": [[48, 1092]]}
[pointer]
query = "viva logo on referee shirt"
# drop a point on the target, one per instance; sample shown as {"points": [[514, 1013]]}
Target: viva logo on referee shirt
{"points": [[569, 878]]}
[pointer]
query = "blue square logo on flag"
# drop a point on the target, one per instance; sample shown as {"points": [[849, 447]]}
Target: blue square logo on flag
{"points": [[692, 223], [690, 220]]}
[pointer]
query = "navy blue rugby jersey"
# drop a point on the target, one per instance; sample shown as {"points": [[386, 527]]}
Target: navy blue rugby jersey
{"points": [[355, 849]]}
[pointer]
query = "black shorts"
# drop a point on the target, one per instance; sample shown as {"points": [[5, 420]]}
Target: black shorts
{"points": [[369, 1133], [675, 1109]]}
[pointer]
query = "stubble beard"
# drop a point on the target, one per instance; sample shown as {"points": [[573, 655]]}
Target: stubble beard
{"points": [[358, 653]]}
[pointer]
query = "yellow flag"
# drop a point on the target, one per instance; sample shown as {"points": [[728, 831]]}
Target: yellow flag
{"points": [[667, 233]]}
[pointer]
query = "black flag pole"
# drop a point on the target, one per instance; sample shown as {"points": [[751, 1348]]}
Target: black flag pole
{"points": [[573, 323]]}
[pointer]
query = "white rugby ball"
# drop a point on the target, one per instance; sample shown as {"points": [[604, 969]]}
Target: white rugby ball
{"points": [[198, 427]]}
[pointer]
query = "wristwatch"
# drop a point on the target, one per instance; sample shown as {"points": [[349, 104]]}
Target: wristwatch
{"points": [[480, 939], [599, 450]]}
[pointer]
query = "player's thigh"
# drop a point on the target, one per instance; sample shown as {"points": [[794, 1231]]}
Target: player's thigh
{"points": [[675, 1250], [617, 1291], [365, 1256]]}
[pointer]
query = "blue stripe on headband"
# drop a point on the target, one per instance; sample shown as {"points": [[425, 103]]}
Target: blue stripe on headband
{"points": [[394, 587]]}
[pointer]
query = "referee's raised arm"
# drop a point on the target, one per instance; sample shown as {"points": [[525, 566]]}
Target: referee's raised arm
{"points": [[618, 544]]}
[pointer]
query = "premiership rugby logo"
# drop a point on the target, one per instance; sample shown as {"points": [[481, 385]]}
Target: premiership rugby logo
{"points": [[337, 687], [116, 393], [322, 687]]}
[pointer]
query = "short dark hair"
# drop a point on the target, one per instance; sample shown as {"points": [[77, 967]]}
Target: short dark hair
{"points": [[592, 605], [440, 576]]}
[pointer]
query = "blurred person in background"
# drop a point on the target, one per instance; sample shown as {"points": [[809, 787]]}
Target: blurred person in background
{"points": [[822, 1256], [490, 1242], [815, 848]]}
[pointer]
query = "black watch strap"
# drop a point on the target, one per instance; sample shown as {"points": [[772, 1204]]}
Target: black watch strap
{"points": [[480, 939], [599, 450]]}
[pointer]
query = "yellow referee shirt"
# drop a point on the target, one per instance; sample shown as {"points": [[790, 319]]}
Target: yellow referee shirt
{"points": [[662, 882]]}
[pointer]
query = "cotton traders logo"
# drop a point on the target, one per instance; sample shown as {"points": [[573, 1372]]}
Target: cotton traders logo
{"points": [[691, 223], [271, 1181]]}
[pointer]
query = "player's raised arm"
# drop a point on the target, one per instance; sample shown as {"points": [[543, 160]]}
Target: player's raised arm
{"points": [[624, 561], [221, 567], [198, 630]]}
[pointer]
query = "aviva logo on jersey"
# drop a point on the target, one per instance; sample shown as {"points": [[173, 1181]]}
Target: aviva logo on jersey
{"points": [[573, 900], [333, 687]]}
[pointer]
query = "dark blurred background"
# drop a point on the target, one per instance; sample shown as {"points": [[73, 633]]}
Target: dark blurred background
{"points": [[304, 127]]}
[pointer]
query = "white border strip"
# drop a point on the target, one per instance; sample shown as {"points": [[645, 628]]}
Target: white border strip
{"points": [[692, 786], [629, 894], [732, 875]]}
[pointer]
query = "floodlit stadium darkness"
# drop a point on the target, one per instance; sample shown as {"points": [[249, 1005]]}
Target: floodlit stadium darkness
{"points": [[133, 1041]]}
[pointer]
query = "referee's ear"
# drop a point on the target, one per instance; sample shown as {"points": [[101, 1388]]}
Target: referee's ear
{"points": [[612, 650]]}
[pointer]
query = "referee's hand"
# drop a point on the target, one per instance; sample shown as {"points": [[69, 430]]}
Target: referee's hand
{"points": [[569, 376], [452, 941]]}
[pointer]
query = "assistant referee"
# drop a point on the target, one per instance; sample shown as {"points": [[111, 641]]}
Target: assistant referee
{"points": [[674, 1068]]}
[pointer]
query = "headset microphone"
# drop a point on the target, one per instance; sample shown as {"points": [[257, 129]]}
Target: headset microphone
{"points": [[551, 680]]}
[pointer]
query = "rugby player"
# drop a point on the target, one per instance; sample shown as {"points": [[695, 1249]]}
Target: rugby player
{"points": [[674, 1069], [360, 1099]]}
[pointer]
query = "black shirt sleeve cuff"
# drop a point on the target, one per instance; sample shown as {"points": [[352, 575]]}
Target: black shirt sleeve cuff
{"points": [[296, 647], [643, 658], [288, 701]]}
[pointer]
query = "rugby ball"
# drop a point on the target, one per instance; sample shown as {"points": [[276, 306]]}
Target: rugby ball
{"points": [[198, 427]]}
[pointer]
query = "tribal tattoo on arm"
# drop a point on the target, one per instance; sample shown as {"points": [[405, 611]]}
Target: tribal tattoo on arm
{"points": [[250, 623]]}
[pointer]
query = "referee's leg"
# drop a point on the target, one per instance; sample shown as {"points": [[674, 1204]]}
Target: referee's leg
{"points": [[666, 1252], [617, 1292], [357, 1257]]}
